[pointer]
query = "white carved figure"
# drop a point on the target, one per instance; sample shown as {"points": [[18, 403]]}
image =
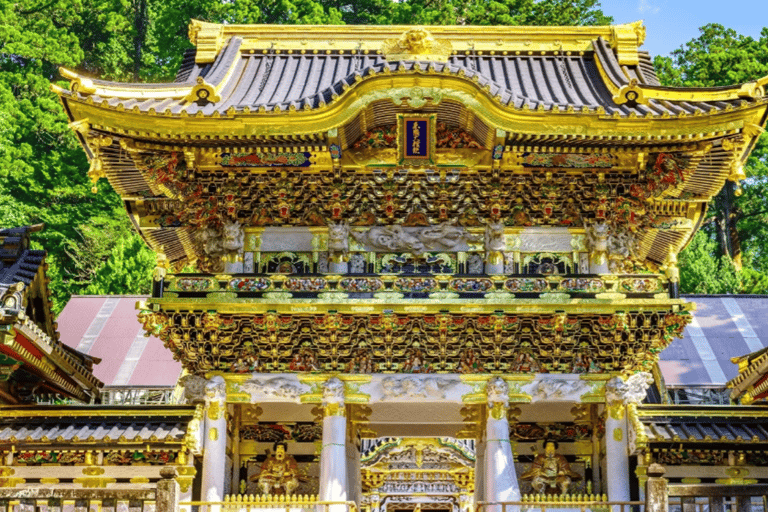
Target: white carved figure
{"points": [[497, 391], [216, 389], [233, 236], [338, 240], [416, 387], [416, 240], [494, 238], [333, 391], [632, 391], [260, 387]]}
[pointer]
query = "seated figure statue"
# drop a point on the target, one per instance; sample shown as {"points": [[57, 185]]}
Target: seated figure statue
{"points": [[550, 472], [279, 473]]}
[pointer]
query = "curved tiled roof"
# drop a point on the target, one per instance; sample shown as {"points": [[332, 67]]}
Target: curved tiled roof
{"points": [[251, 82]]}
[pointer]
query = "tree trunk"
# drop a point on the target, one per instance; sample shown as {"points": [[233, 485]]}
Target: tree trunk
{"points": [[140, 22]]}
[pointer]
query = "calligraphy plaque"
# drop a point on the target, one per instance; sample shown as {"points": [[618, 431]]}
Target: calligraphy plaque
{"points": [[416, 139]]}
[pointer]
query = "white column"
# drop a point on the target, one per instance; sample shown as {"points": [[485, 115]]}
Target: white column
{"points": [[333, 458], [354, 486], [616, 454], [215, 443], [500, 476], [480, 470], [617, 395]]}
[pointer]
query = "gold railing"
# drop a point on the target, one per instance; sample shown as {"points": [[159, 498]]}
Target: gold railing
{"points": [[244, 503], [582, 502]]}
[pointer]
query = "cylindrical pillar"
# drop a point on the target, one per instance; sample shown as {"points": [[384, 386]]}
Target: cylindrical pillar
{"points": [[616, 453], [215, 447], [618, 394], [500, 476], [333, 458], [480, 470]]}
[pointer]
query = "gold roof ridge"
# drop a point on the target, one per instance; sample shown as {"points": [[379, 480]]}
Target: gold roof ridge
{"points": [[210, 38]]}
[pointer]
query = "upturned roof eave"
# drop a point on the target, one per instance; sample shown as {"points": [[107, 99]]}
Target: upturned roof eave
{"points": [[562, 122]]}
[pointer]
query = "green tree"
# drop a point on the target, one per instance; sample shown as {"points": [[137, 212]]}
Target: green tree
{"points": [[737, 221]]}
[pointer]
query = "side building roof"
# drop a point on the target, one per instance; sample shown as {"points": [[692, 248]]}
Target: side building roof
{"points": [[105, 326], [724, 327], [32, 359]]}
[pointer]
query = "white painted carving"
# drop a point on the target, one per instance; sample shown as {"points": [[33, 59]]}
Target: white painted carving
{"points": [[632, 391], [411, 386], [216, 390], [497, 391], [282, 388], [338, 239], [333, 391], [494, 238], [475, 264], [416, 240], [550, 390], [357, 264]]}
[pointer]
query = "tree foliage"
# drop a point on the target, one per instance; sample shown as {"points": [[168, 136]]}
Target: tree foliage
{"points": [[734, 234], [92, 247]]}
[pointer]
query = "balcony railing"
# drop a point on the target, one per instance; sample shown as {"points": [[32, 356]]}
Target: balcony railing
{"points": [[137, 396], [583, 503], [291, 503], [409, 286]]}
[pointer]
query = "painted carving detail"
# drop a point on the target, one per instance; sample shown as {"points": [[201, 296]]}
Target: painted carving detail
{"points": [[495, 243], [619, 393], [497, 392], [219, 244], [547, 390], [275, 387], [416, 240], [415, 387], [338, 241]]}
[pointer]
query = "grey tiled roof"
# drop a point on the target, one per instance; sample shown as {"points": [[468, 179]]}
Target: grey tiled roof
{"points": [[18, 263], [103, 425], [307, 81], [725, 424]]}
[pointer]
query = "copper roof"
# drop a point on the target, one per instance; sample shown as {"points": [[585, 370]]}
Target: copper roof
{"points": [[723, 327], [106, 326]]}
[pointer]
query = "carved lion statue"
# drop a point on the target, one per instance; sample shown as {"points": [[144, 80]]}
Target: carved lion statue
{"points": [[333, 391], [215, 243], [338, 238], [494, 237], [497, 391], [233, 236], [215, 389]]}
